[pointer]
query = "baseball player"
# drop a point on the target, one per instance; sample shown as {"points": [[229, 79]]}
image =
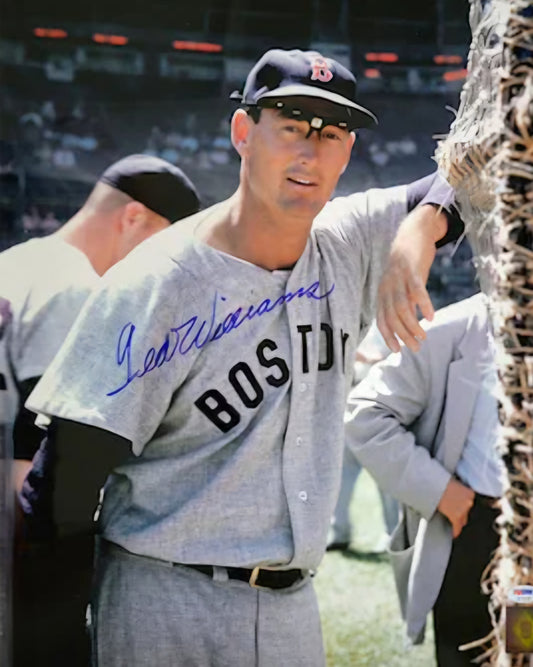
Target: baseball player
{"points": [[216, 360], [45, 281]]}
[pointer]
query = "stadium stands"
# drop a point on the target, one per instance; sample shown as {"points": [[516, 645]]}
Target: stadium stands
{"points": [[61, 126]]}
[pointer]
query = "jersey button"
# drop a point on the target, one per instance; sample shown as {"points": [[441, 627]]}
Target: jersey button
{"points": [[302, 496], [303, 386], [299, 441]]}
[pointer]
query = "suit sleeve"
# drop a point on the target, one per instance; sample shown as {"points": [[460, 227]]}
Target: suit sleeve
{"points": [[381, 410]]}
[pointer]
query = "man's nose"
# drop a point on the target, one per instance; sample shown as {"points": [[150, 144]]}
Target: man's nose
{"points": [[310, 145]]}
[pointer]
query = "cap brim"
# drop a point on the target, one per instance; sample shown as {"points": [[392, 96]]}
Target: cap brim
{"points": [[364, 117]]}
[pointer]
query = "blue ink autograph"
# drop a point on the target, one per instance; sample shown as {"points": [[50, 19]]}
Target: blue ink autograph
{"points": [[196, 333]]}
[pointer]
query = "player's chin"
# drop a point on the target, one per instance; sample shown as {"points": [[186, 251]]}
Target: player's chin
{"points": [[304, 206]]}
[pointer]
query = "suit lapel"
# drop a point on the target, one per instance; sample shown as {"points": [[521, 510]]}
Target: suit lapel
{"points": [[464, 377]]}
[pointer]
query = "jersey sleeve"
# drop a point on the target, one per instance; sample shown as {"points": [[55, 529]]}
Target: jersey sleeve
{"points": [[118, 367]]}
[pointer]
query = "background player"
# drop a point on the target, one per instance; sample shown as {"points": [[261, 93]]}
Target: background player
{"points": [[219, 353], [44, 283], [47, 280]]}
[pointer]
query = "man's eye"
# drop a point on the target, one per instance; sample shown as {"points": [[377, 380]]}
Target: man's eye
{"points": [[331, 134], [294, 129]]}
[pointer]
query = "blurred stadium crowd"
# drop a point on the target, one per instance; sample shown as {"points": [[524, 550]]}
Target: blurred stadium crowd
{"points": [[69, 108]]}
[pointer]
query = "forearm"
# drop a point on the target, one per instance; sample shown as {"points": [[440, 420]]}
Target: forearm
{"points": [[27, 436], [403, 285], [417, 238], [27, 439]]}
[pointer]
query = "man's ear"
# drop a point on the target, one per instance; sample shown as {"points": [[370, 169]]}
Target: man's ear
{"points": [[134, 214], [240, 129], [350, 147]]}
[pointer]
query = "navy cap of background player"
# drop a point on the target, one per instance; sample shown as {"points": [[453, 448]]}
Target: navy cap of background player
{"points": [[293, 73], [156, 183]]}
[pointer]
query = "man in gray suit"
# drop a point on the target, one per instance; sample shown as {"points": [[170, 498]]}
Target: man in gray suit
{"points": [[426, 426]]}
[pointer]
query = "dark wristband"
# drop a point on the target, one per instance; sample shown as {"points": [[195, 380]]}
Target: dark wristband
{"points": [[435, 190]]}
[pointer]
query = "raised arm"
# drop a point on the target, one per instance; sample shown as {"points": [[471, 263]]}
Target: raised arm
{"points": [[432, 221]]}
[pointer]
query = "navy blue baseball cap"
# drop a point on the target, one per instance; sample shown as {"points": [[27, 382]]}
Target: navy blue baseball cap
{"points": [[296, 73], [156, 183]]}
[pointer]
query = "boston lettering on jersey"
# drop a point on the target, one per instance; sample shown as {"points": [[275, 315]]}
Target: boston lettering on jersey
{"points": [[196, 332], [249, 392]]}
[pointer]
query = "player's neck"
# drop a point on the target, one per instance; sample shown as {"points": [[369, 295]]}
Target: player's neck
{"points": [[256, 235], [87, 237]]}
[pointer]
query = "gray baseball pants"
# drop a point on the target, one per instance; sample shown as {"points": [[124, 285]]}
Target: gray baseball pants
{"points": [[147, 613]]}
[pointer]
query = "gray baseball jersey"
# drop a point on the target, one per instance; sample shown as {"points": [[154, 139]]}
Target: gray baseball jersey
{"points": [[230, 381], [43, 285]]}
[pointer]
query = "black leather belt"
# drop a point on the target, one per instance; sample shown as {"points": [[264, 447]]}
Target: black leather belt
{"points": [[258, 577]]}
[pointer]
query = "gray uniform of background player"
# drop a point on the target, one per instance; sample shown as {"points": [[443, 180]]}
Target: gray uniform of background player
{"points": [[35, 317], [236, 431], [42, 310]]}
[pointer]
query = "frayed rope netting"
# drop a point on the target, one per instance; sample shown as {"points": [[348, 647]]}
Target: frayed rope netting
{"points": [[488, 158]]}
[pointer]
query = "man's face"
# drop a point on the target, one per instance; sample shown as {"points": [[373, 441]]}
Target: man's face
{"points": [[290, 170]]}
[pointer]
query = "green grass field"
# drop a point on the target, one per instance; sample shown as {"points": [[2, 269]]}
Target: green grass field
{"points": [[358, 604]]}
